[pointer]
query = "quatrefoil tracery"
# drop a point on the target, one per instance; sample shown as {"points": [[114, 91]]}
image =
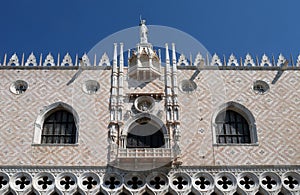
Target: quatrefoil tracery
{"points": [[135, 182], [3, 182], [156, 182], [44, 182], [67, 182]]}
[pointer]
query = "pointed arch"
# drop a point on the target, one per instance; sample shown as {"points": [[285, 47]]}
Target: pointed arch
{"points": [[143, 115], [51, 112], [33, 192], [155, 136], [147, 191], [125, 191], [236, 122], [11, 192]]}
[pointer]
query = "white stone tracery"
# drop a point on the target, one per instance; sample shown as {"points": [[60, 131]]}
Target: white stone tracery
{"points": [[179, 181]]}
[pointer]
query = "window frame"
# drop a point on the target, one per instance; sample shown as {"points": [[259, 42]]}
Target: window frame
{"points": [[154, 121], [44, 114], [232, 128], [59, 128], [149, 141], [245, 113]]}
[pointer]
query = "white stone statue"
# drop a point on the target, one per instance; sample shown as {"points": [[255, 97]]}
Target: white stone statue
{"points": [[143, 32], [113, 133]]}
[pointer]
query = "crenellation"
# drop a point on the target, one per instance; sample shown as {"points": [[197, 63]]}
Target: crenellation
{"points": [[67, 60], [232, 61]]}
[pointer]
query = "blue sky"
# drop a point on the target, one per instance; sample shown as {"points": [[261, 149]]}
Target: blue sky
{"points": [[224, 27]]}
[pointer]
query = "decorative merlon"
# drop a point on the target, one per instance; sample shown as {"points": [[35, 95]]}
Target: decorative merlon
{"points": [[199, 61]]}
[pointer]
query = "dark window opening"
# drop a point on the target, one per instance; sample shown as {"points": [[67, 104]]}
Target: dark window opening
{"points": [[232, 128], [260, 86], [123, 193], [144, 134], [146, 193], [59, 128], [32, 193]]}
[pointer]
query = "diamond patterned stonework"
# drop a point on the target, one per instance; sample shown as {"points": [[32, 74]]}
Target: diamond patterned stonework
{"points": [[276, 122]]}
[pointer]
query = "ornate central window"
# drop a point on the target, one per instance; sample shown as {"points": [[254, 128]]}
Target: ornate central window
{"points": [[144, 134]]}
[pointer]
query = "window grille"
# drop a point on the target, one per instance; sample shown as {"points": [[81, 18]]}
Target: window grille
{"points": [[232, 128], [59, 128]]}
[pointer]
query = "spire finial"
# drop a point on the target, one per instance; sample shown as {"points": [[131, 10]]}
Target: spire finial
{"points": [[121, 57], [115, 56], [167, 52], [4, 61], [167, 58], [173, 54], [174, 61]]}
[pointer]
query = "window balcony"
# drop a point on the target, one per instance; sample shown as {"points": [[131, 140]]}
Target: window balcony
{"points": [[144, 158], [145, 153]]}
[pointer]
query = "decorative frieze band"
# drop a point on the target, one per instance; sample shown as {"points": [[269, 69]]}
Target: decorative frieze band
{"points": [[107, 180]]}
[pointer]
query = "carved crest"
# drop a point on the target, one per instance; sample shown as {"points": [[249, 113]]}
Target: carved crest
{"points": [[14, 60], [49, 60], [31, 60], [104, 61], [67, 60]]}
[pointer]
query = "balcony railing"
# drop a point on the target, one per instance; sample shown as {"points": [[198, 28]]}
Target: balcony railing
{"points": [[145, 153]]}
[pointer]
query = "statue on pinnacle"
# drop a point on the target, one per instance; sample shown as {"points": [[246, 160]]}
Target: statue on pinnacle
{"points": [[143, 32]]}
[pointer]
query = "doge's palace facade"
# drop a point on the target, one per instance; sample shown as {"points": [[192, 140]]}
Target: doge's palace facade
{"points": [[136, 126]]}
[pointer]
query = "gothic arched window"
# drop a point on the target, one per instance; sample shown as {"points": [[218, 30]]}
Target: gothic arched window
{"points": [[144, 133], [232, 127], [59, 128]]}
